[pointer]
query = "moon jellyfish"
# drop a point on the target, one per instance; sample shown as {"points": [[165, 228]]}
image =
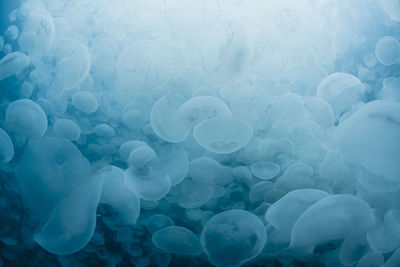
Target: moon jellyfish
{"points": [[157, 222], [223, 135], [116, 193], [152, 184], [341, 91], [141, 157], [39, 26], [6, 147], [174, 160], [85, 102], [48, 170], [200, 108], [387, 50], [348, 216], [265, 170], [369, 138], [74, 67], [233, 237], [72, 223], [195, 194], [165, 120], [13, 63], [27, 118], [127, 147], [177, 240], [284, 212], [67, 129]]}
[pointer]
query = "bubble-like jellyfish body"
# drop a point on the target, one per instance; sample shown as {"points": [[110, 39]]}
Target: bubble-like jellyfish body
{"points": [[177, 240], [348, 215], [369, 138], [387, 50], [27, 118], [6, 147], [66, 128], [265, 170], [73, 220], [200, 108], [13, 63], [223, 135], [233, 237]]}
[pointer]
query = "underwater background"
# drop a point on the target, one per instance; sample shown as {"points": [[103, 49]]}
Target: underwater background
{"points": [[200, 133]]}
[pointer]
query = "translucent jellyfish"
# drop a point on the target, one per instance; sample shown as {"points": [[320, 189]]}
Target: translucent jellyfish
{"points": [[258, 191], [12, 32], [74, 67], [352, 249], [26, 89], [333, 217], [369, 138], [341, 91], [296, 176], [48, 170], [126, 148], [72, 223], [319, 110], [174, 160], [116, 193], [381, 239], [195, 194], [104, 130], [13, 63], [27, 118], [204, 169], [392, 8], [200, 108], [136, 115], [66, 128], [233, 237], [177, 240], [142, 157], [391, 89], [157, 222], [151, 184], [40, 24], [141, 65], [284, 213], [371, 259], [387, 50], [6, 147], [165, 121], [85, 102], [265, 170], [223, 135]]}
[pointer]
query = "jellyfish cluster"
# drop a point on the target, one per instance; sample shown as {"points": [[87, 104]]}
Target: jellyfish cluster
{"points": [[200, 133]]}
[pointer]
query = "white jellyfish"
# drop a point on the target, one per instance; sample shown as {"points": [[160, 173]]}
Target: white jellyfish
{"points": [[233, 237], [369, 138], [6, 147], [165, 121], [200, 108], [348, 216], [223, 135], [177, 240], [72, 223], [66, 128], [265, 170], [341, 91], [27, 118], [85, 102], [13, 63], [387, 50]]}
